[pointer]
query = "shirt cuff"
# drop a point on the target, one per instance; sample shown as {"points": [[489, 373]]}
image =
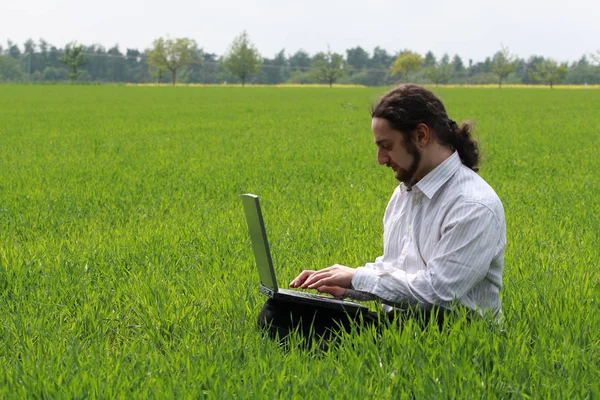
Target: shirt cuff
{"points": [[364, 280]]}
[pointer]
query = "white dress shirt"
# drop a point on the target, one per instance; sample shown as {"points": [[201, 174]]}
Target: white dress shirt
{"points": [[443, 241]]}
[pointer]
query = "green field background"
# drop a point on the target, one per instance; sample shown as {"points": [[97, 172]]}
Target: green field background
{"points": [[126, 269]]}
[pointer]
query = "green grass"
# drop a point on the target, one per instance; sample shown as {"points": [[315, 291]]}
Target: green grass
{"points": [[126, 269]]}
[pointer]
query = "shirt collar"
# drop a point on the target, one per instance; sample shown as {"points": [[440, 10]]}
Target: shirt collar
{"points": [[434, 180]]}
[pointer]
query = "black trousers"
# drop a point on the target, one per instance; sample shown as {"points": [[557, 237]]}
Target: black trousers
{"points": [[279, 318]]}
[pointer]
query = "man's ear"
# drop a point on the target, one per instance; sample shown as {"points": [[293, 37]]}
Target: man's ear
{"points": [[422, 135]]}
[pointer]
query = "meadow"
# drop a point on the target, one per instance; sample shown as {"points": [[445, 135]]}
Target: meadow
{"points": [[126, 269]]}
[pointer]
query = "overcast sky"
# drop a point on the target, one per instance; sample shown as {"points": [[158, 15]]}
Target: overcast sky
{"points": [[474, 29]]}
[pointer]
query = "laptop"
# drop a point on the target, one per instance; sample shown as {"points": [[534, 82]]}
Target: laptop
{"points": [[266, 272]]}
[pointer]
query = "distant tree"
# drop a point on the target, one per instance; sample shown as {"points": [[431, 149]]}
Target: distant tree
{"points": [[439, 73], [275, 70], [157, 73], [521, 68], [29, 50], [73, 59], [596, 57], [328, 67], [445, 60], [50, 74], [584, 71], [172, 55], [458, 64], [43, 46], [357, 58], [117, 64], [13, 49], [583, 61], [406, 63], [242, 59], [430, 60], [549, 71], [530, 67], [503, 63], [210, 71], [381, 58], [135, 66], [98, 63], [29, 46], [43, 60], [379, 65], [54, 57], [9, 68], [300, 60]]}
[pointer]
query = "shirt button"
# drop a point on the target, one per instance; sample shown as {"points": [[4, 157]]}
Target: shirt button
{"points": [[410, 227], [404, 252]]}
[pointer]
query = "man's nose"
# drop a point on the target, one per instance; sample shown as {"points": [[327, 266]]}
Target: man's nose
{"points": [[382, 157]]}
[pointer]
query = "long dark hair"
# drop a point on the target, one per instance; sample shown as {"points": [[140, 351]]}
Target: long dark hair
{"points": [[406, 106]]}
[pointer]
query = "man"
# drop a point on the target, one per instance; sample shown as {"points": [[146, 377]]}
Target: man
{"points": [[444, 227]]}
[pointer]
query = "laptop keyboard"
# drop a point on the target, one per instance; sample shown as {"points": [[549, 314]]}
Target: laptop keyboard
{"points": [[306, 295]]}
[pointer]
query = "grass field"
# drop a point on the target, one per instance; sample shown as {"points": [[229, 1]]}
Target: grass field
{"points": [[126, 269]]}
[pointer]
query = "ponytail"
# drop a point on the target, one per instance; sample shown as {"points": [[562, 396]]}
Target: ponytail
{"points": [[460, 139]]}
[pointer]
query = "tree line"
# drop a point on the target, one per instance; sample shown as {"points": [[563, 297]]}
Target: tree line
{"points": [[181, 60]]}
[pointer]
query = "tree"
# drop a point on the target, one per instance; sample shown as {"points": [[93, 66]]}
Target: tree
{"points": [[300, 59], [157, 72], [357, 58], [328, 67], [13, 49], [275, 70], [379, 67], [430, 60], [136, 69], [117, 66], [406, 63], [9, 68], [458, 64], [73, 59], [43, 46], [549, 71], [210, 71], [242, 59], [529, 69], [445, 59], [439, 73], [503, 63], [596, 56], [29, 47], [97, 62], [381, 58], [172, 55]]}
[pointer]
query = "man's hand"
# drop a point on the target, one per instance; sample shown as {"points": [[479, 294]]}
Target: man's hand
{"points": [[335, 291], [330, 280]]}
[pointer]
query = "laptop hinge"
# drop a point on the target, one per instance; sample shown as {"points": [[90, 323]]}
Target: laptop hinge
{"points": [[268, 291]]}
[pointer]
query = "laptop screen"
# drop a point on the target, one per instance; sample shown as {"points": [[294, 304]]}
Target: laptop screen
{"points": [[260, 245]]}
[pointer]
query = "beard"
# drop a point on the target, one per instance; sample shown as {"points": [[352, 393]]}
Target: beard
{"points": [[407, 176]]}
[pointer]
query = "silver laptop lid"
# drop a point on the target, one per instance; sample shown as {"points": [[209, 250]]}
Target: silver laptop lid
{"points": [[260, 245]]}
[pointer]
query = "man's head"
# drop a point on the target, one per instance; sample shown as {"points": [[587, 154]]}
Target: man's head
{"points": [[414, 134]]}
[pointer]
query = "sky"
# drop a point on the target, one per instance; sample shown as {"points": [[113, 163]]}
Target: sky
{"points": [[473, 29]]}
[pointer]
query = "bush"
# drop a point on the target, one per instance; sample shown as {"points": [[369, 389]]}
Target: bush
{"points": [[54, 74], [302, 78]]}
